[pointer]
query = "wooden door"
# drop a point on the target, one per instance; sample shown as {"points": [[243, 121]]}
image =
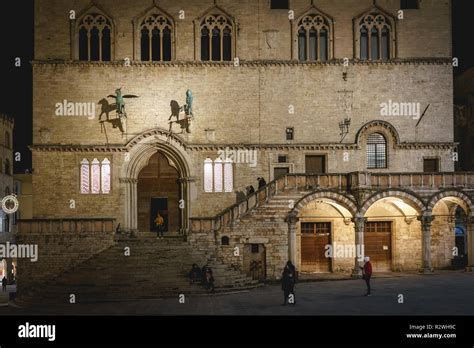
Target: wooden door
{"points": [[314, 238], [277, 172], [315, 164], [255, 261], [378, 245]]}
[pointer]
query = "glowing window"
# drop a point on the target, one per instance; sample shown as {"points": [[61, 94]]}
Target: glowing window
{"points": [[95, 176], [105, 176], [85, 176], [208, 176]]}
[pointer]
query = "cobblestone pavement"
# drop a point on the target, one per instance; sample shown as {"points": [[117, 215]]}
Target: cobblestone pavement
{"points": [[439, 294]]}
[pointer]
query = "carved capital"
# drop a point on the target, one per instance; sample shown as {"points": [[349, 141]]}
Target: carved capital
{"points": [[292, 219], [128, 181], [426, 220], [359, 223]]}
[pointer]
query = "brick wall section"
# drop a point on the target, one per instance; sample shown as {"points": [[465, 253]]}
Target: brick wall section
{"points": [[422, 33]]}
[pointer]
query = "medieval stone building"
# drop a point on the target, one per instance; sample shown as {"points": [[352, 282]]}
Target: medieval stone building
{"points": [[344, 107]]}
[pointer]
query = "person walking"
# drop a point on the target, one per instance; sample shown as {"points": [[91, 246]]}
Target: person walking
{"points": [[367, 274], [4, 284], [208, 278], [160, 225], [261, 183], [288, 281]]}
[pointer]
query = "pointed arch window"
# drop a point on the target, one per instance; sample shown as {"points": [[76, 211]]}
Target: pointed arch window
{"points": [[156, 38], [7, 140], [208, 175], [218, 175], [7, 166], [376, 151], [95, 176], [105, 176], [313, 37], [216, 38], [228, 176], [218, 172], [376, 35], [85, 177], [95, 38]]}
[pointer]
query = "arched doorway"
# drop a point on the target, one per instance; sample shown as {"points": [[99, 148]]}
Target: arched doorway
{"points": [[449, 237], [158, 190], [392, 235], [325, 237], [153, 155]]}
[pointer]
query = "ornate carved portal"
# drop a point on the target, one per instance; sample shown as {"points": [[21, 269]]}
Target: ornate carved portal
{"points": [[151, 159]]}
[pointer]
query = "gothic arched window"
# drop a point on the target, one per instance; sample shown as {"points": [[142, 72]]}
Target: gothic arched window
{"points": [[376, 151], [228, 176], [105, 176], [7, 140], [7, 167], [95, 176], [218, 175], [375, 36], [95, 38], [216, 38], [313, 38], [85, 176], [156, 38]]}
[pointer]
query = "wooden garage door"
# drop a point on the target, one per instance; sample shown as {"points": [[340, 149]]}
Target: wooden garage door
{"points": [[314, 238], [378, 244]]}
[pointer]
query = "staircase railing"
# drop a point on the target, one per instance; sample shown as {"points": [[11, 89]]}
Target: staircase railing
{"points": [[337, 181]]}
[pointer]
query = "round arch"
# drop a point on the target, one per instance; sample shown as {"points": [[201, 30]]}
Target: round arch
{"points": [[378, 126], [341, 199], [438, 197], [408, 197]]}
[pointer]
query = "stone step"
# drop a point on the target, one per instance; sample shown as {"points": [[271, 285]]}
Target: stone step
{"points": [[155, 268]]}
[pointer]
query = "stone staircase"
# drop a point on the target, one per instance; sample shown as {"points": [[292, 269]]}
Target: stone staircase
{"points": [[275, 209], [155, 268]]}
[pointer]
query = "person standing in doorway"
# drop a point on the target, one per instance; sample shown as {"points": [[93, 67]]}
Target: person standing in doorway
{"points": [[160, 225], [4, 284], [367, 274], [288, 281]]}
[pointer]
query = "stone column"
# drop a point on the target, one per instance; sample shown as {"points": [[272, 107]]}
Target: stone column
{"points": [[131, 206], [470, 242], [292, 220], [184, 214], [426, 221], [359, 228], [9, 270]]}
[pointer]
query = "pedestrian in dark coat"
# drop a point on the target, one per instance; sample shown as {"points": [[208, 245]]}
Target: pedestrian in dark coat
{"points": [[288, 281], [251, 190], [367, 273], [4, 283], [208, 278], [261, 183]]}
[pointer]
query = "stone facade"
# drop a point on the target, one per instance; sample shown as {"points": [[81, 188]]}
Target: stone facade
{"points": [[244, 104]]}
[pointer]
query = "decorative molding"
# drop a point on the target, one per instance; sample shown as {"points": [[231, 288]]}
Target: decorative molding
{"points": [[128, 181], [120, 148], [243, 63]]}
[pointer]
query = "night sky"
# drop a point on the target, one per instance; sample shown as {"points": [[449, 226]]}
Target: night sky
{"points": [[17, 24]]}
